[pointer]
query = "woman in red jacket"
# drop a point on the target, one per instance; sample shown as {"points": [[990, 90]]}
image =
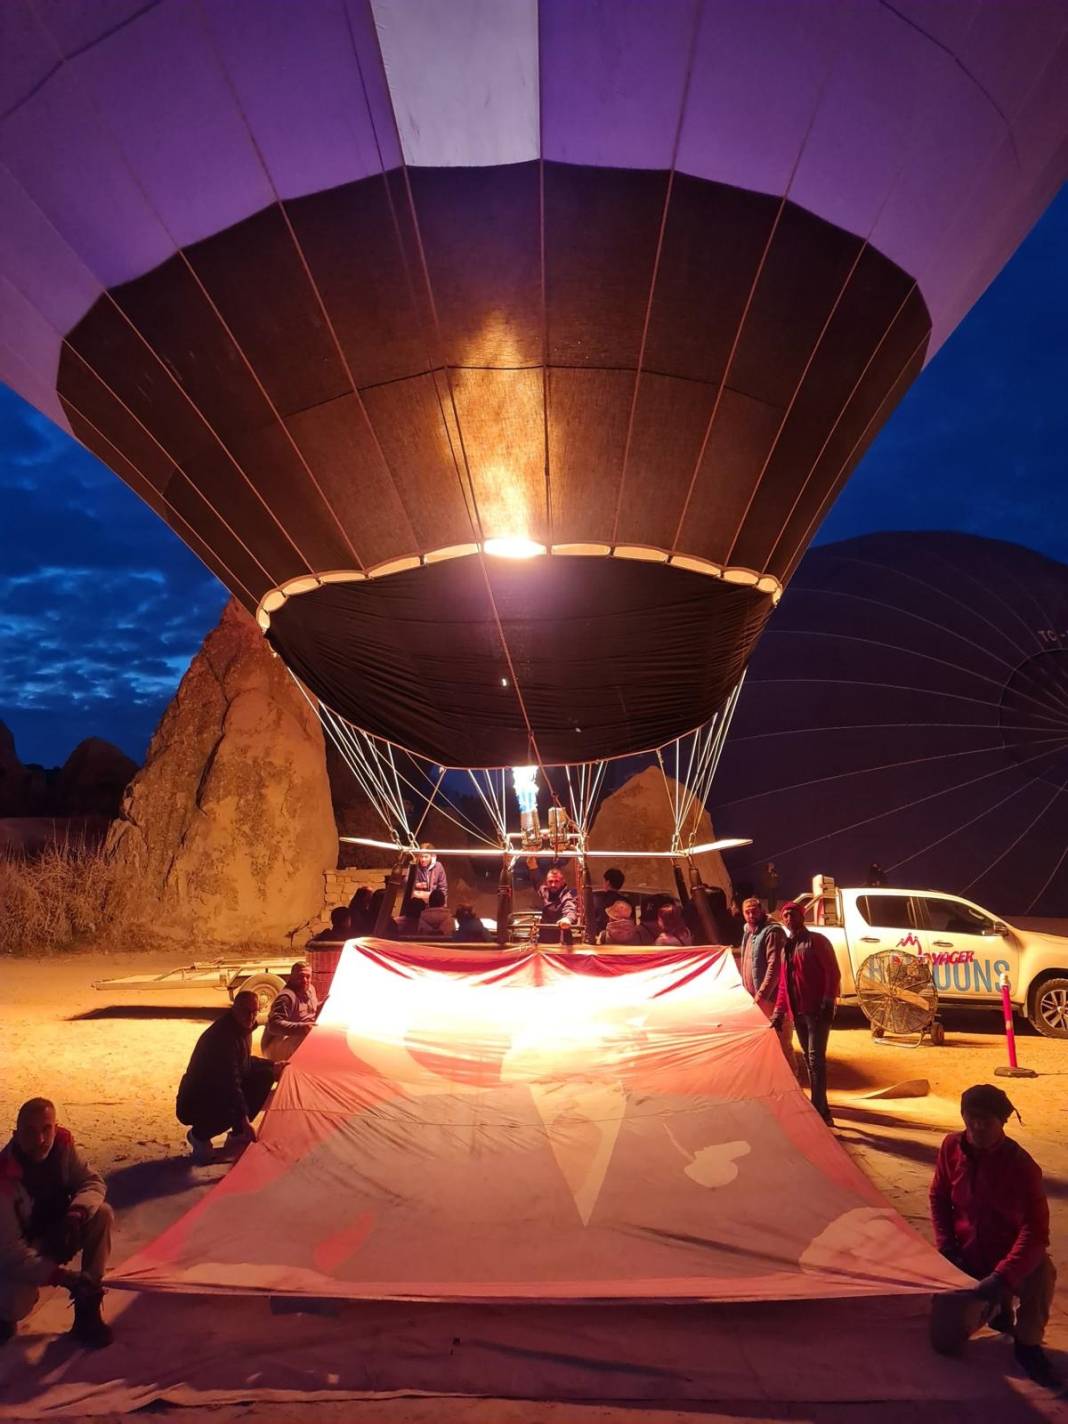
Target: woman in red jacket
{"points": [[991, 1218]]}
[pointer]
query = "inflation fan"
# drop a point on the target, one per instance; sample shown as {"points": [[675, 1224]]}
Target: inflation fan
{"points": [[899, 998]]}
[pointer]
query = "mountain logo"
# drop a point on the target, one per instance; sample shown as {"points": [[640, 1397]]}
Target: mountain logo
{"points": [[909, 942]]}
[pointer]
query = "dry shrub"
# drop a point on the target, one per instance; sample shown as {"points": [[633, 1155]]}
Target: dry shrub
{"points": [[59, 899]]}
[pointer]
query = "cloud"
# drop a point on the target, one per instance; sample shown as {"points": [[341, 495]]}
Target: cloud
{"points": [[101, 607]]}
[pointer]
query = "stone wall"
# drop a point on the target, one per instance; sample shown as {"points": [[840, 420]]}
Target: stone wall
{"points": [[339, 886]]}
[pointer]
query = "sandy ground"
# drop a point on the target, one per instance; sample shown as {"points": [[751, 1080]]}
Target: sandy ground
{"points": [[112, 1062]]}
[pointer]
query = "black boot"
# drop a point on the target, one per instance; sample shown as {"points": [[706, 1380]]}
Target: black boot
{"points": [[89, 1326], [1035, 1362]]}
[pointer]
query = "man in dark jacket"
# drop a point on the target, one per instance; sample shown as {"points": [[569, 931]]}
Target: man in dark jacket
{"points": [[51, 1208], [811, 985], [224, 1086], [292, 1016], [991, 1219], [762, 964], [558, 903]]}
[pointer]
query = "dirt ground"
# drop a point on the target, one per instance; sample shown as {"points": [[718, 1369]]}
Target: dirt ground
{"points": [[112, 1062]]}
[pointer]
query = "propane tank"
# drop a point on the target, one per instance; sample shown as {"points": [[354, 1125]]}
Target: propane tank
{"points": [[558, 828]]}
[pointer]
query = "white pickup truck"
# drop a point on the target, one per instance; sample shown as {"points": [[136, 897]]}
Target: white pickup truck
{"points": [[967, 947]]}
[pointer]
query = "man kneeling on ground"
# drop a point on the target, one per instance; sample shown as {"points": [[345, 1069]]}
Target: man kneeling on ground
{"points": [[224, 1085], [991, 1219], [51, 1207], [292, 1015]]}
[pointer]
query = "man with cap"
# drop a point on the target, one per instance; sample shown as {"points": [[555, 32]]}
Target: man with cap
{"points": [[761, 966], [292, 1015], [991, 1219], [810, 985]]}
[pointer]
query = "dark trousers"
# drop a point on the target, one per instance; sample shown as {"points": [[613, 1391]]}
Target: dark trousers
{"points": [[813, 1031], [209, 1116], [18, 1298]]}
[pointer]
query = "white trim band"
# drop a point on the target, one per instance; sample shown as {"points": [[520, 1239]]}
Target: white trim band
{"points": [[641, 553]]}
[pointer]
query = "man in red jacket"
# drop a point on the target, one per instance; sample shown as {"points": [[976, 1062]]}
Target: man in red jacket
{"points": [[808, 989], [991, 1218]]}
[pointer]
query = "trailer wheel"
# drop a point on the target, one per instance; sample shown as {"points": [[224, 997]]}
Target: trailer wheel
{"points": [[877, 1032], [266, 987], [938, 1033]]}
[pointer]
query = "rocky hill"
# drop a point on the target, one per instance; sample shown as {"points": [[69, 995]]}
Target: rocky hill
{"points": [[89, 783]]}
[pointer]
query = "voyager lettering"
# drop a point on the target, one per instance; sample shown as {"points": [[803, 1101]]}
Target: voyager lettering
{"points": [[958, 971]]}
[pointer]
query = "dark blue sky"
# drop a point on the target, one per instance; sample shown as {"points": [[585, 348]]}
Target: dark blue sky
{"points": [[101, 607]]}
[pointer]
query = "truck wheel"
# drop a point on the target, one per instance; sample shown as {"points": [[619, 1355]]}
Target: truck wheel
{"points": [[266, 987], [1049, 1008]]}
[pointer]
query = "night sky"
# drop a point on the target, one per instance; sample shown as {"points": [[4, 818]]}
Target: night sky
{"points": [[101, 607]]}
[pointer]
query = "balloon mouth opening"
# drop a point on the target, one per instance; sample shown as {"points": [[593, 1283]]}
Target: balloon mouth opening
{"points": [[514, 546]]}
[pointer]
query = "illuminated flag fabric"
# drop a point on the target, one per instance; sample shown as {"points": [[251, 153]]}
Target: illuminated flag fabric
{"points": [[541, 1127]]}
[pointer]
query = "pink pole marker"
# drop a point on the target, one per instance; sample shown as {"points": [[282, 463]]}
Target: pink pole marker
{"points": [[1013, 1070]]}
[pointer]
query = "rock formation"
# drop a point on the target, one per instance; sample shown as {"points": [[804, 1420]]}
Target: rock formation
{"points": [[13, 779], [226, 832], [639, 816], [92, 779], [89, 783]]}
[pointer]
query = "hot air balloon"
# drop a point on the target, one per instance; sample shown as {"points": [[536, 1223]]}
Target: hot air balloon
{"points": [[909, 706], [503, 355]]}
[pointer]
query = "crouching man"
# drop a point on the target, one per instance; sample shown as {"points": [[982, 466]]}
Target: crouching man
{"points": [[991, 1219], [292, 1015], [52, 1208], [224, 1085]]}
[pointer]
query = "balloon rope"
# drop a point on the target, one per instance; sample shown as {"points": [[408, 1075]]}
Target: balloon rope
{"points": [[757, 274], [698, 16], [78, 82], [493, 809], [176, 520], [380, 779]]}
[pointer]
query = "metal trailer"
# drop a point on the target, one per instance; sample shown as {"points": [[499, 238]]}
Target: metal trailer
{"points": [[262, 977]]}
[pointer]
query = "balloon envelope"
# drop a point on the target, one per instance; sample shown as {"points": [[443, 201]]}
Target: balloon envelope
{"points": [[346, 290], [908, 706]]}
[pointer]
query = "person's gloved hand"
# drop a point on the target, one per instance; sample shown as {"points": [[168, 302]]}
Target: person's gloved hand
{"points": [[990, 1288], [775, 1021], [953, 1256], [827, 1009], [71, 1231], [73, 1281]]}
